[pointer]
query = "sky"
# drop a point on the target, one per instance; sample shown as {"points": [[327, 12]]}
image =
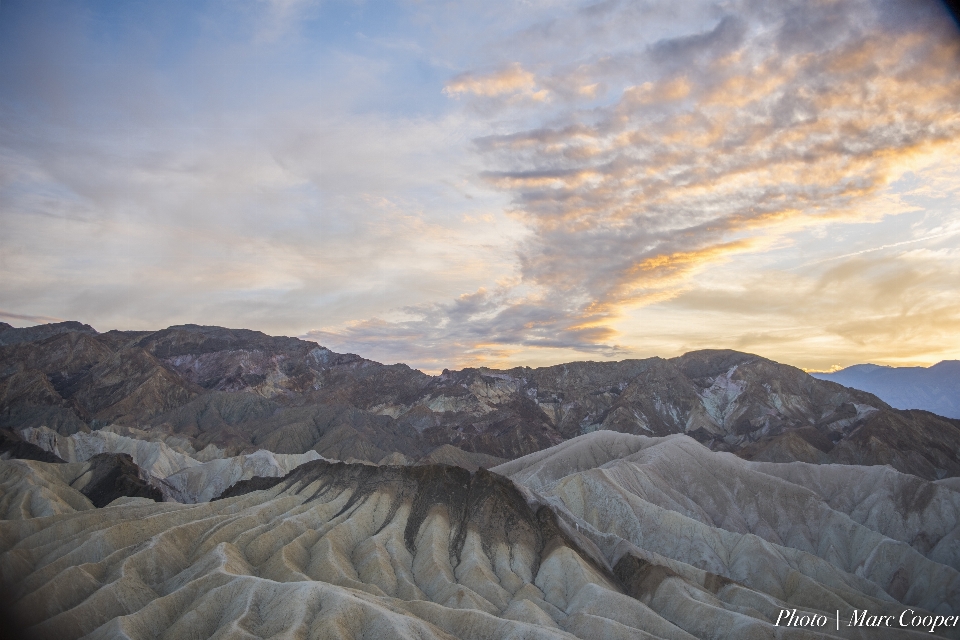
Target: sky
{"points": [[452, 184]]}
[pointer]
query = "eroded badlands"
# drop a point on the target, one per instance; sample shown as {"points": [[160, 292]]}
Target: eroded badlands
{"points": [[607, 535]]}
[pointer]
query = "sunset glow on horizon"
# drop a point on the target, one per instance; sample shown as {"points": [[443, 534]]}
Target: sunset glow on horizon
{"points": [[490, 184]]}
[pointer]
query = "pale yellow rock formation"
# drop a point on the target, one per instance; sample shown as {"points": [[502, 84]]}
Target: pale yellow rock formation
{"points": [[605, 536]]}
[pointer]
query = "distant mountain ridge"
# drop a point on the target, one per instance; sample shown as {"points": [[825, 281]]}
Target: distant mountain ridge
{"points": [[935, 389], [242, 390], [14, 335]]}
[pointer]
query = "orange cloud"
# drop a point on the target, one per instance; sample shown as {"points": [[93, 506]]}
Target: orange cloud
{"points": [[511, 80], [668, 90]]}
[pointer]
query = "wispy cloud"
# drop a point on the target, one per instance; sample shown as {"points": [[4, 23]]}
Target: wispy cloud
{"points": [[892, 245], [28, 318], [899, 307], [278, 18]]}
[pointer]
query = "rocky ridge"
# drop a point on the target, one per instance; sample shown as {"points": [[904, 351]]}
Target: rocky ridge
{"points": [[171, 471], [33, 489], [239, 391], [12, 445]]}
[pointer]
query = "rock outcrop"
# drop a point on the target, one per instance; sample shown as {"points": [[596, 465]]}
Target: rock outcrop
{"points": [[155, 458], [109, 476], [450, 455], [206, 481], [14, 446], [177, 475], [33, 489]]}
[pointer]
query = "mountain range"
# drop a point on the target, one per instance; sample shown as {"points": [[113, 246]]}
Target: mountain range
{"points": [[241, 390], [210, 482], [935, 388]]}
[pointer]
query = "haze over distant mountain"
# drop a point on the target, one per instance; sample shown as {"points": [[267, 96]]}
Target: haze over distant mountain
{"points": [[935, 388]]}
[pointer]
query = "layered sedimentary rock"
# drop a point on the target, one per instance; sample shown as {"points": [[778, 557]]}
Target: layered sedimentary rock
{"points": [[334, 550], [699, 496], [206, 481], [30, 489], [109, 476], [607, 535], [156, 458], [830, 529], [177, 475], [12, 445], [450, 455]]}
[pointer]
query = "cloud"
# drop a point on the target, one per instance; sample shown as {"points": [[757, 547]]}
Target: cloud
{"points": [[512, 80], [20, 318], [483, 328], [698, 48], [572, 165], [772, 118], [248, 195], [894, 306], [244, 231], [941, 234]]}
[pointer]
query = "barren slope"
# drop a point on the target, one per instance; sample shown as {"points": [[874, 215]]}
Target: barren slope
{"points": [[607, 535]]}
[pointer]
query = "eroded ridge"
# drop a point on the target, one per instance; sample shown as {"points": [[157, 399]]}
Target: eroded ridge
{"points": [[484, 503], [337, 550], [331, 550]]}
